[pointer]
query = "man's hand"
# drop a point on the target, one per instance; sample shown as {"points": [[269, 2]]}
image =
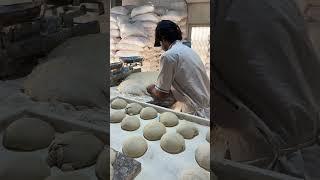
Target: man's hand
{"points": [[150, 88]]}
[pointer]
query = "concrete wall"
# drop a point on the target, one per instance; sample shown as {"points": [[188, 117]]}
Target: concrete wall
{"points": [[199, 13]]}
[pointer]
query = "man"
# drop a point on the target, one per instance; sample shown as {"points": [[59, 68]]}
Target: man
{"points": [[182, 73], [266, 86]]}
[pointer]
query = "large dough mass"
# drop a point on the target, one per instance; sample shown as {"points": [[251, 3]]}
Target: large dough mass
{"points": [[74, 150], [154, 130], [187, 130], [118, 104], [172, 142], [117, 116], [133, 109], [203, 156], [134, 146], [148, 113], [130, 123], [28, 134]]}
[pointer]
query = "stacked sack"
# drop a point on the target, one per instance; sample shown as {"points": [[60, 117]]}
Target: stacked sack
{"points": [[117, 14], [133, 31]]}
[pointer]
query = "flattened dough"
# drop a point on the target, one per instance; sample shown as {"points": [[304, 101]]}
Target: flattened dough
{"points": [[23, 166], [117, 116], [130, 123], [118, 104], [188, 130], [134, 146], [169, 119], [172, 142], [133, 109], [195, 174], [203, 156], [148, 113], [28, 134], [74, 150], [154, 130]]}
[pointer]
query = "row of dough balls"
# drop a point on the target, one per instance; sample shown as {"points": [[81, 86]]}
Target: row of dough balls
{"points": [[155, 129], [173, 143]]}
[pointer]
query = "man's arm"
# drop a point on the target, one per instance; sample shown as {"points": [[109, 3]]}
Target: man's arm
{"points": [[161, 89]]}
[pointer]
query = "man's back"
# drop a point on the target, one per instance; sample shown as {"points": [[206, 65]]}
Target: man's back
{"points": [[190, 78]]}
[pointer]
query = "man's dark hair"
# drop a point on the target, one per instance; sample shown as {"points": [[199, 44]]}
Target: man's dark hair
{"points": [[167, 30]]}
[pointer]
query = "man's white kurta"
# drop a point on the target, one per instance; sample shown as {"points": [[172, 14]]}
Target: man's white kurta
{"points": [[183, 72]]}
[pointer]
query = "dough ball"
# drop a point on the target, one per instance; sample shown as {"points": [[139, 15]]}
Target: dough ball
{"points": [[133, 109], [153, 131], [74, 150], [130, 123], [23, 166], [148, 113], [118, 104], [172, 142], [195, 174], [203, 156], [69, 176], [169, 119], [117, 116], [102, 164], [187, 130], [134, 146], [208, 136], [28, 134]]}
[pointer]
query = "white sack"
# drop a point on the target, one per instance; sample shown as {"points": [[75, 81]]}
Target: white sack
{"points": [[119, 10], [114, 33], [147, 17], [175, 16], [160, 11], [114, 25], [142, 10], [115, 40], [135, 29]]}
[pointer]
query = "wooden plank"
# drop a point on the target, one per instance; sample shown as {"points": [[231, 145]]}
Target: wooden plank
{"points": [[231, 170]]}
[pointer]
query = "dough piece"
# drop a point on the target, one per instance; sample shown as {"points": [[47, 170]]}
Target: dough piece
{"points": [[117, 116], [23, 166], [187, 130], [134, 146], [28, 134], [74, 150], [101, 165], [148, 113], [172, 142], [69, 176], [133, 109], [208, 136], [130, 123], [203, 156], [153, 131], [169, 119], [118, 104], [195, 174]]}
